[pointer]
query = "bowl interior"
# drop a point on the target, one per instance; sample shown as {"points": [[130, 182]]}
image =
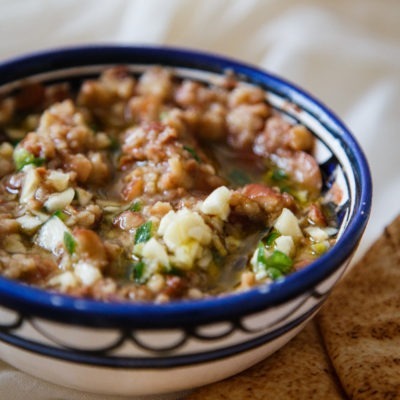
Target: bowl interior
{"points": [[341, 160]]}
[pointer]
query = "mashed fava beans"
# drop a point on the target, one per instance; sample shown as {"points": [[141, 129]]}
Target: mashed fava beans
{"points": [[143, 188]]}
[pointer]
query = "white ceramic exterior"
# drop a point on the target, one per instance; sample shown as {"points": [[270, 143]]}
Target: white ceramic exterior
{"points": [[273, 328]]}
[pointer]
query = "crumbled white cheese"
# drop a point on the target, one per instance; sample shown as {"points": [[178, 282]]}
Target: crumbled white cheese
{"points": [[288, 225], [87, 273], [58, 201], [285, 244], [217, 203]]}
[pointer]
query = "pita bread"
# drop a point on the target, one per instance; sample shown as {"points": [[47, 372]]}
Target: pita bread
{"points": [[300, 370], [360, 322]]}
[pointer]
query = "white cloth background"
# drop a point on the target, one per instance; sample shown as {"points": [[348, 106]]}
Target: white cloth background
{"points": [[347, 53]]}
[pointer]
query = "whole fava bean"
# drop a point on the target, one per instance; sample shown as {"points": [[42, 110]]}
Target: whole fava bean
{"points": [[79, 164], [302, 168], [8, 226], [300, 138], [128, 220], [90, 246], [6, 149], [245, 95], [255, 190], [131, 149], [7, 107], [132, 190]]}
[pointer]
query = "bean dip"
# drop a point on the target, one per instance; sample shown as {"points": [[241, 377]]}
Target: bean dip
{"points": [[140, 187]]}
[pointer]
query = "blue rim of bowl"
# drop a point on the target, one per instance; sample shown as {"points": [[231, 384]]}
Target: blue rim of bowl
{"points": [[58, 307]]}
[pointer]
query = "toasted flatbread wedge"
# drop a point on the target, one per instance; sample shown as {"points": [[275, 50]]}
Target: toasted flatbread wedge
{"points": [[300, 370], [360, 322]]}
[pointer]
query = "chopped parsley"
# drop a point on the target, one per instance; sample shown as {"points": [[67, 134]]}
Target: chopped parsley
{"points": [[172, 270], [276, 265], [135, 206], [270, 239], [143, 233], [274, 273], [279, 174], [69, 243], [193, 153], [136, 272], [239, 177], [60, 214], [217, 257], [261, 257], [94, 127], [279, 261], [114, 144], [23, 157]]}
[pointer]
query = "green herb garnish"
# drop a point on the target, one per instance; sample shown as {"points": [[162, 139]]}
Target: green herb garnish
{"points": [[23, 157], [279, 174], [280, 261], [94, 127], [143, 233], [274, 273], [114, 145], [239, 177], [15, 142], [60, 214], [136, 272], [172, 270], [69, 243], [261, 258], [136, 206], [217, 257], [285, 189], [276, 265], [271, 238], [192, 153]]}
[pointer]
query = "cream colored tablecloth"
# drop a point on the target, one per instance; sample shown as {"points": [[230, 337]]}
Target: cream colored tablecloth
{"points": [[347, 53]]}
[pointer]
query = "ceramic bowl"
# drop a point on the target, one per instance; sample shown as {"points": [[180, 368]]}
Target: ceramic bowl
{"points": [[148, 349]]}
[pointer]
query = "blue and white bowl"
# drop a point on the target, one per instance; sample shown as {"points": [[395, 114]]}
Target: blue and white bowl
{"points": [[147, 349]]}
